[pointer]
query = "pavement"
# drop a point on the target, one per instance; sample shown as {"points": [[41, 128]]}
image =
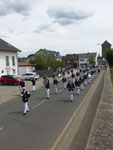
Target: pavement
{"points": [[101, 135], [41, 127]]}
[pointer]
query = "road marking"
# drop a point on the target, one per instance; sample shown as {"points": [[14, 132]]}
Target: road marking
{"points": [[1, 128], [39, 104], [60, 90]]}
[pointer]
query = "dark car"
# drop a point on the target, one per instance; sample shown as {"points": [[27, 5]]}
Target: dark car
{"points": [[10, 79]]}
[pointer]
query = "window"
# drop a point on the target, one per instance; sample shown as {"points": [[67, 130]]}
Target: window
{"points": [[13, 60], [13, 71], [7, 60], [81, 59]]}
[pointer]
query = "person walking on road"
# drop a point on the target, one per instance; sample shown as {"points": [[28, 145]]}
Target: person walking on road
{"points": [[64, 80], [47, 86], [25, 96], [70, 87], [33, 84], [55, 82], [22, 84]]}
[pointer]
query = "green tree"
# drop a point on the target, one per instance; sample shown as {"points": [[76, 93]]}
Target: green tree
{"points": [[91, 61], [43, 60], [109, 56]]}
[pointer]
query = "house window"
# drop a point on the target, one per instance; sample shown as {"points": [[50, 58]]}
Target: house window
{"points": [[7, 60], [13, 71], [13, 60], [81, 59]]}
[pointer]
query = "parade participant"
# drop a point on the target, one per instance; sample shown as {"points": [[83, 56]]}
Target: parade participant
{"points": [[77, 73], [59, 75], [47, 86], [33, 84], [70, 87], [73, 77], [89, 78], [85, 78], [77, 84], [22, 84], [55, 82], [82, 83], [64, 81], [25, 96]]}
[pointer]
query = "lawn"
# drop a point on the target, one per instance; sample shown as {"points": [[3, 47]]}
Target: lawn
{"points": [[111, 74]]}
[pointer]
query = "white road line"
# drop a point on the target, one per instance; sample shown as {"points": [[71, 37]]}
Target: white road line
{"points": [[39, 104], [1, 128], [44, 100], [60, 90]]}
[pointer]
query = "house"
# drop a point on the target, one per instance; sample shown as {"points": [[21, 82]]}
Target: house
{"points": [[71, 60], [84, 59], [8, 59], [105, 45], [25, 67]]}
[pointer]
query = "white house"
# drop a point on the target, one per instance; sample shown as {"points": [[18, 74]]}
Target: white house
{"points": [[8, 59], [84, 59], [25, 67]]}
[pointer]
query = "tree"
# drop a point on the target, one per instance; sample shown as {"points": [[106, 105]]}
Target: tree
{"points": [[109, 56], [43, 60], [91, 61]]}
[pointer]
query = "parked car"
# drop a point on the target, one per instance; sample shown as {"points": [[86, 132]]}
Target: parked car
{"points": [[10, 79], [28, 76]]}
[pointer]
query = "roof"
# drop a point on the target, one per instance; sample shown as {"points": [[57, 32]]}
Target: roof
{"points": [[71, 57], [21, 64], [7, 47], [106, 43], [84, 55], [87, 55]]}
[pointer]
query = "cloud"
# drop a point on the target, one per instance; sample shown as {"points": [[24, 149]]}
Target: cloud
{"points": [[66, 16], [43, 27], [15, 6]]}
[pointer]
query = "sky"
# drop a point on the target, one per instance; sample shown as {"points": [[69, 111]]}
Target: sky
{"points": [[66, 26]]}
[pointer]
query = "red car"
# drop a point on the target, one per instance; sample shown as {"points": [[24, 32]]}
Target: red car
{"points": [[10, 79]]}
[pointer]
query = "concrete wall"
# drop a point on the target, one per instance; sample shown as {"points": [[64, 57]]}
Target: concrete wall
{"points": [[101, 135], [4, 70]]}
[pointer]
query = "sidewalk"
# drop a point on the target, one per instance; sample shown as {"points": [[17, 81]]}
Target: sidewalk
{"points": [[101, 135], [10, 92]]}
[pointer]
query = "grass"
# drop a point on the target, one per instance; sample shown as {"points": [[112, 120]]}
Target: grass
{"points": [[111, 74]]}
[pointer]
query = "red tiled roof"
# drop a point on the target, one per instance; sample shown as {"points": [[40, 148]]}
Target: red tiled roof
{"points": [[24, 64]]}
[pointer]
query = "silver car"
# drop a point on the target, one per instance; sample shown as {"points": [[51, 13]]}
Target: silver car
{"points": [[28, 76]]}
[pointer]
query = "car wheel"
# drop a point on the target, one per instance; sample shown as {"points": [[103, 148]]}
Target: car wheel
{"points": [[1, 83], [15, 83]]}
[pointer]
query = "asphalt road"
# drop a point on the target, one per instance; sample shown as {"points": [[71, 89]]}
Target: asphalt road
{"points": [[40, 128]]}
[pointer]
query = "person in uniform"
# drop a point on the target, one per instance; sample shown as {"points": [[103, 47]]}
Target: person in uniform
{"points": [[55, 82], [77, 84], [70, 87], [25, 96], [64, 80], [82, 83], [33, 84], [73, 77], [85, 78], [47, 86], [22, 84]]}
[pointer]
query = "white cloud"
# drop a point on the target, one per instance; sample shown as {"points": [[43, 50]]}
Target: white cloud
{"points": [[66, 26], [67, 16]]}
